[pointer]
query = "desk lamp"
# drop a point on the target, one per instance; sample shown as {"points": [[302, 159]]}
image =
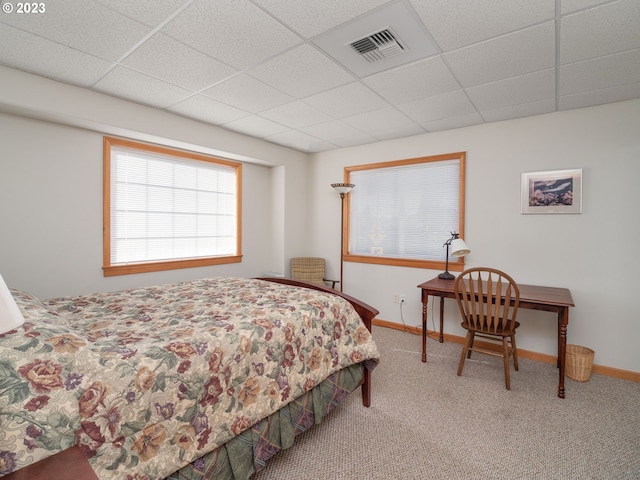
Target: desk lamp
{"points": [[10, 315], [458, 249]]}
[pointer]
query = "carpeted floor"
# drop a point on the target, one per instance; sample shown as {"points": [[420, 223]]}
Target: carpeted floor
{"points": [[425, 422]]}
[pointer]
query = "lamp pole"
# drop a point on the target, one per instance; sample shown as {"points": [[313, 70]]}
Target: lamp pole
{"points": [[446, 275], [342, 189]]}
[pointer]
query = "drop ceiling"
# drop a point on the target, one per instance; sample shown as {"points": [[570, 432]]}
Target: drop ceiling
{"points": [[285, 71]]}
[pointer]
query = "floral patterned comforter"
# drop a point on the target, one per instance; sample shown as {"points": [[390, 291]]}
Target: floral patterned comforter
{"points": [[148, 380]]}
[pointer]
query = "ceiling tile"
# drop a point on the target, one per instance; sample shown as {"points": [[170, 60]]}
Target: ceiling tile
{"points": [[400, 132], [518, 111], [515, 54], [296, 115], [248, 93], [346, 100], [208, 110], [412, 82], [49, 59], [140, 88], [149, 12], [603, 72], [514, 91], [300, 141], [355, 140], [452, 122], [332, 130], [452, 104], [312, 18], [83, 25], [256, 126], [603, 30], [165, 58], [236, 32], [599, 97], [376, 122], [301, 72], [458, 23], [569, 6]]}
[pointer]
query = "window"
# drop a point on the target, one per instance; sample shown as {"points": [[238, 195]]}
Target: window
{"points": [[166, 209], [402, 212]]}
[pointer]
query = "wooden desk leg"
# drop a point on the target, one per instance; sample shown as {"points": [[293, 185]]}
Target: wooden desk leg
{"points": [[563, 321], [425, 300], [441, 319]]}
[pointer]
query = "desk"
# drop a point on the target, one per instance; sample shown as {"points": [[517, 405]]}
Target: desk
{"points": [[533, 297]]}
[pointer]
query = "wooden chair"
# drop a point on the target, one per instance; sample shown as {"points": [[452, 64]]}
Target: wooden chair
{"points": [[310, 269], [488, 300]]}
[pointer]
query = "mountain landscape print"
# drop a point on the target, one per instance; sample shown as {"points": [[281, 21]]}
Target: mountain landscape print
{"points": [[551, 192]]}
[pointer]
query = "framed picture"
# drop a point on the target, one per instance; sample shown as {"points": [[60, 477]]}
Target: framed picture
{"points": [[556, 191]]}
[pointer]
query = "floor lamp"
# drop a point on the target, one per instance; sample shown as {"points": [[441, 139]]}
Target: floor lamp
{"points": [[342, 189]]}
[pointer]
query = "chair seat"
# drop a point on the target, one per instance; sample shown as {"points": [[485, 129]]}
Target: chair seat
{"points": [[499, 332]]}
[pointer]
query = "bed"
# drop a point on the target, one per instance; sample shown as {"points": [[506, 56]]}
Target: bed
{"points": [[194, 380]]}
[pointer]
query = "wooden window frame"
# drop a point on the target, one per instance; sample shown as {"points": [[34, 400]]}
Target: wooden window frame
{"points": [[155, 266], [454, 264]]}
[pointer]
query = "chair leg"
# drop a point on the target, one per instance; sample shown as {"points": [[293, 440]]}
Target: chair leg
{"points": [[465, 351], [473, 337], [515, 352], [505, 353]]}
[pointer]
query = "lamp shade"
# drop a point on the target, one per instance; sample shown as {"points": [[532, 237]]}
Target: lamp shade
{"points": [[459, 248], [342, 187], [10, 315]]}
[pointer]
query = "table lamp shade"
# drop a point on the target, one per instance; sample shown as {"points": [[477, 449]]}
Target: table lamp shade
{"points": [[459, 248], [10, 315]]}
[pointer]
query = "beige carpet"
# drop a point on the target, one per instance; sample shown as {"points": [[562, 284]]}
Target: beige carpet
{"points": [[427, 423]]}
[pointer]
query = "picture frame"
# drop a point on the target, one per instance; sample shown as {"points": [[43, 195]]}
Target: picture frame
{"points": [[554, 191]]}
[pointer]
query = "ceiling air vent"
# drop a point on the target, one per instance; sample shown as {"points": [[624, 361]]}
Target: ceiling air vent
{"points": [[385, 38], [378, 46]]}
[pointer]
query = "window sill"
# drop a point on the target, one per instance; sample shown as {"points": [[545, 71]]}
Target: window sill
{"points": [[456, 265], [131, 268]]}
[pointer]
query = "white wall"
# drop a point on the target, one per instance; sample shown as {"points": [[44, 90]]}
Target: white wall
{"points": [[580, 252], [51, 187]]}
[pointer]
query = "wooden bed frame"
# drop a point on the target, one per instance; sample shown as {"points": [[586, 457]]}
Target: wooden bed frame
{"points": [[71, 464]]}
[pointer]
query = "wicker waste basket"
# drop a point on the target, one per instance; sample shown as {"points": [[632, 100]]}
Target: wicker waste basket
{"points": [[579, 362]]}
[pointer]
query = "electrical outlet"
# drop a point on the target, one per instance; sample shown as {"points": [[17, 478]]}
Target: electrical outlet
{"points": [[403, 298], [396, 298]]}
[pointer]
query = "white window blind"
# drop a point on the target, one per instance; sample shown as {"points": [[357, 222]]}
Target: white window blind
{"points": [[169, 208], [405, 211]]}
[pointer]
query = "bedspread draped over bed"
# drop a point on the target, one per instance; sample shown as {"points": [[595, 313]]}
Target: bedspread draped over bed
{"points": [[148, 380], [249, 451]]}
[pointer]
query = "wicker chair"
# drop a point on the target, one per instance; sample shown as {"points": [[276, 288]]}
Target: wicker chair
{"points": [[488, 300], [311, 269]]}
